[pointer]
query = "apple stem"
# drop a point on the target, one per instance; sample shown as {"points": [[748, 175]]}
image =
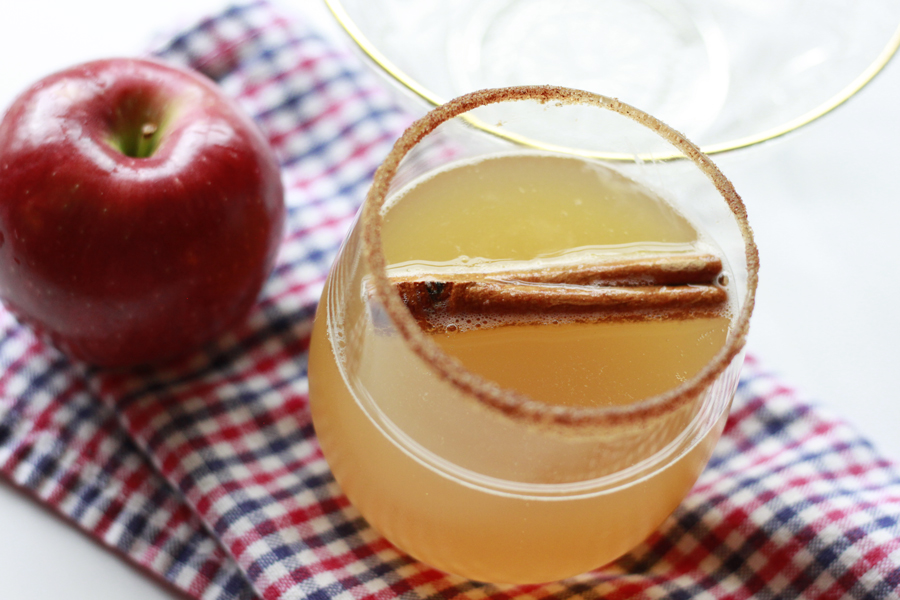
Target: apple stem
{"points": [[146, 143]]}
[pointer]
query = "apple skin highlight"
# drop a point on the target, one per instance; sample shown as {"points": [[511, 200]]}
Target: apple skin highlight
{"points": [[140, 211]]}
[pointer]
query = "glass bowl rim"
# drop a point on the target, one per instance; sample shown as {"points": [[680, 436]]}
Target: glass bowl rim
{"points": [[848, 91]]}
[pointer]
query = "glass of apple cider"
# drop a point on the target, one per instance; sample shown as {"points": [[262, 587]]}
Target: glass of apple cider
{"points": [[527, 347]]}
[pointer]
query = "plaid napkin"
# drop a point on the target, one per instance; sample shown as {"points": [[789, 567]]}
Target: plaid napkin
{"points": [[207, 474]]}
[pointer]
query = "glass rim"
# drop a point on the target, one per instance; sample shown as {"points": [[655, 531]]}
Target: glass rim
{"points": [[511, 403], [394, 72]]}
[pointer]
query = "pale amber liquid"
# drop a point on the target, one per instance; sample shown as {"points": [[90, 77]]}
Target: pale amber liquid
{"points": [[511, 209], [518, 210], [590, 365]]}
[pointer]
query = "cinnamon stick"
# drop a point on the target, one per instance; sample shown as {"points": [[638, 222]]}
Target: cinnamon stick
{"points": [[672, 269], [675, 286]]}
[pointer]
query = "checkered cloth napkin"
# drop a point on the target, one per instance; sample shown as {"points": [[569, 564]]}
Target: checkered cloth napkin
{"points": [[207, 474]]}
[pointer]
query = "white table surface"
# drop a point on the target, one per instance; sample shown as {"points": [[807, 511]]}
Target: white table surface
{"points": [[824, 203]]}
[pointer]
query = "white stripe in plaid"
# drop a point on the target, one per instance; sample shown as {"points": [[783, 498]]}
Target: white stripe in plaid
{"points": [[793, 505]]}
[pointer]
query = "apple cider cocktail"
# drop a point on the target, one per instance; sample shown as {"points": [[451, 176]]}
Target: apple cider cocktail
{"points": [[523, 359]]}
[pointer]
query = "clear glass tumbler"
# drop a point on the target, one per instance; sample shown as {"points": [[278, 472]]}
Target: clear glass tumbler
{"points": [[470, 472]]}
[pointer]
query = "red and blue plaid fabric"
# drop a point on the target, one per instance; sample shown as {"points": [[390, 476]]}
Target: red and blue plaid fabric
{"points": [[208, 476]]}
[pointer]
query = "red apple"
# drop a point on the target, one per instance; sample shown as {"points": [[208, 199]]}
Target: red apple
{"points": [[140, 211]]}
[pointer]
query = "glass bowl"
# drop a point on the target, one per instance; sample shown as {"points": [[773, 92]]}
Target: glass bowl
{"points": [[728, 74]]}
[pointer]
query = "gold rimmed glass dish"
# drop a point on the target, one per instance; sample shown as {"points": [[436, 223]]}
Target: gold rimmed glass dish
{"points": [[728, 74]]}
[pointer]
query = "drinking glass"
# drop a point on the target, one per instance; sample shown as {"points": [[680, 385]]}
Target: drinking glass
{"points": [[476, 478]]}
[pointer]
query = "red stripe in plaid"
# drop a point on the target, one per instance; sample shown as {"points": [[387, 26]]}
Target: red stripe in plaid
{"points": [[793, 505]]}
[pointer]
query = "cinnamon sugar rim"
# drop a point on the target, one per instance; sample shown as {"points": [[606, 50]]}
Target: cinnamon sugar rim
{"points": [[513, 404]]}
